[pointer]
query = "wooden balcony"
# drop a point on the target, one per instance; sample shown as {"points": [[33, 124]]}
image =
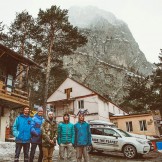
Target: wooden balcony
{"points": [[15, 96]]}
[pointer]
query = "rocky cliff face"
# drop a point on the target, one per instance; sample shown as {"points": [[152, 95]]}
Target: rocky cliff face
{"points": [[110, 55]]}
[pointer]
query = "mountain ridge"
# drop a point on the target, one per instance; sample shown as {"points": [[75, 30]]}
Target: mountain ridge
{"points": [[110, 56]]}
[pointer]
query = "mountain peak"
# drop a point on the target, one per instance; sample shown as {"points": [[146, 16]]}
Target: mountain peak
{"points": [[84, 17]]}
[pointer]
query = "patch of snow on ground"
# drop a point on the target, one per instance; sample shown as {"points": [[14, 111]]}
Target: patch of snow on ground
{"points": [[7, 150]]}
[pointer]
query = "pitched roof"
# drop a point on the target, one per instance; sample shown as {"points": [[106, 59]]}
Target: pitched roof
{"points": [[130, 116], [16, 56]]}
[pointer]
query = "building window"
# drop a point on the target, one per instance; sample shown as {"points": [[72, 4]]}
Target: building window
{"points": [[143, 126], [129, 126], [114, 109], [81, 104], [9, 83], [52, 108]]}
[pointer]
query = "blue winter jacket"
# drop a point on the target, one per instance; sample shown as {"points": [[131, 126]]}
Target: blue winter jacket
{"points": [[21, 129], [36, 135], [65, 133], [82, 134]]}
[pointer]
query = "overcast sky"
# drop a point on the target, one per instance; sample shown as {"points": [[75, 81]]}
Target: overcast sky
{"points": [[144, 17]]}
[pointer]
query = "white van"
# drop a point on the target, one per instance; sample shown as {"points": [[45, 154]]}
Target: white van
{"points": [[106, 138]]}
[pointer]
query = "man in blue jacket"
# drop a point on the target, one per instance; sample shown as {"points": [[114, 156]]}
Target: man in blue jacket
{"points": [[82, 138], [36, 135], [65, 137], [21, 130]]}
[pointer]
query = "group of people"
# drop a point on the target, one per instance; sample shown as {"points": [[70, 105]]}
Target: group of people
{"points": [[44, 133]]}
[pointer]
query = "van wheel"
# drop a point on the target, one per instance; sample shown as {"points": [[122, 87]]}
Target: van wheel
{"points": [[129, 151], [90, 149]]}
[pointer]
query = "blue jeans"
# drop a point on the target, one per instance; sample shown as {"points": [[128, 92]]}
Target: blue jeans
{"points": [[32, 152], [19, 146]]}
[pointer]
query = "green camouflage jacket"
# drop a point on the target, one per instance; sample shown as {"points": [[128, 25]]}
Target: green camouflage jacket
{"points": [[49, 132]]}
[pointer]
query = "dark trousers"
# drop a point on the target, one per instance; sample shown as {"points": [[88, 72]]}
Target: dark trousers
{"points": [[32, 152], [19, 146]]}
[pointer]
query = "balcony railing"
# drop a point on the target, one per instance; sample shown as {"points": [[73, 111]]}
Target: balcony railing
{"points": [[13, 94]]}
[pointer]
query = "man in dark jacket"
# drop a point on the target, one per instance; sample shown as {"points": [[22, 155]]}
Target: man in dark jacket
{"points": [[21, 130], [36, 135], [82, 138], [49, 133], [65, 137]]}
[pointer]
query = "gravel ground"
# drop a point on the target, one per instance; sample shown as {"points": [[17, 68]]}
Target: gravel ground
{"points": [[7, 150]]}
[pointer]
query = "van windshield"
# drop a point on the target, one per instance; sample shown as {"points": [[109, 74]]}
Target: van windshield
{"points": [[125, 134]]}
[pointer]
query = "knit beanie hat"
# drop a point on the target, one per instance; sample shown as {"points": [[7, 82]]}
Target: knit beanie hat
{"points": [[40, 109]]}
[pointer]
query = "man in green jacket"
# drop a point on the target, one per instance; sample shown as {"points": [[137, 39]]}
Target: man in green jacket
{"points": [[65, 137], [49, 129]]}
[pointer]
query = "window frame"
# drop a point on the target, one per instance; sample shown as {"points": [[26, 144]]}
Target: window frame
{"points": [[143, 125], [80, 104], [129, 126], [93, 129], [112, 132]]}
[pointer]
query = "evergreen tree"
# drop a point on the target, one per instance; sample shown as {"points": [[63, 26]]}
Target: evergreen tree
{"points": [[58, 37], [1, 31], [45, 41], [138, 94], [145, 94], [3, 36], [157, 86], [21, 33], [20, 38]]}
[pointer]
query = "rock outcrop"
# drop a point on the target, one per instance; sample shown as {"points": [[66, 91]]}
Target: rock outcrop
{"points": [[109, 57]]}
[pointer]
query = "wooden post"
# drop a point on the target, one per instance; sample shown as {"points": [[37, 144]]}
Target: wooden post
{"points": [[3, 128]]}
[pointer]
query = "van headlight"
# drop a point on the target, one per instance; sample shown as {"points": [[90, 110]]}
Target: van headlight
{"points": [[141, 141]]}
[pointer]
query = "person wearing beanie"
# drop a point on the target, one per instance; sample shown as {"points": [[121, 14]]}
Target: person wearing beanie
{"points": [[65, 137], [49, 133], [21, 132], [36, 134], [82, 138]]}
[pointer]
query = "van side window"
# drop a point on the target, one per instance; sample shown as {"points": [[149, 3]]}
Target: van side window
{"points": [[97, 131], [110, 132]]}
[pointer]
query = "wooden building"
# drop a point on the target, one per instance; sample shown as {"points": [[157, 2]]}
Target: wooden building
{"points": [[12, 97]]}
